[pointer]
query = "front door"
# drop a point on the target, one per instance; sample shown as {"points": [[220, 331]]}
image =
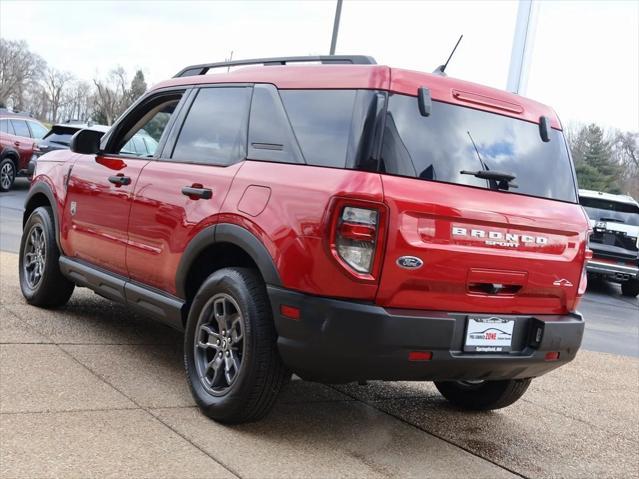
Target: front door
{"points": [[180, 193], [100, 188]]}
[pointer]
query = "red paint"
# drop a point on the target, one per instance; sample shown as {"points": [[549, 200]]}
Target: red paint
{"points": [[141, 230], [379, 77]]}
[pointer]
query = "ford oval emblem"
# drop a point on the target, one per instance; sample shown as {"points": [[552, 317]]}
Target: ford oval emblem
{"points": [[409, 262]]}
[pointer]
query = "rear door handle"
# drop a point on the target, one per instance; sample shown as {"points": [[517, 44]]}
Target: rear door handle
{"points": [[120, 180], [16, 143], [195, 192]]}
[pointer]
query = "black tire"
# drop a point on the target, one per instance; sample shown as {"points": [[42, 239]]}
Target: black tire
{"points": [[630, 288], [261, 373], [52, 289], [7, 174], [484, 396]]}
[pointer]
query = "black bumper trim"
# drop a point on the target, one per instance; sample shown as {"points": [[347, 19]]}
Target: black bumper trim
{"points": [[342, 341]]}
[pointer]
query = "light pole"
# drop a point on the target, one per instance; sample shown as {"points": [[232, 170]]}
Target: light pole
{"points": [[338, 12], [523, 42]]}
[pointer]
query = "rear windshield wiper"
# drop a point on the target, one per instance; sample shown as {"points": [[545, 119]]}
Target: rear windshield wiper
{"points": [[503, 179]]}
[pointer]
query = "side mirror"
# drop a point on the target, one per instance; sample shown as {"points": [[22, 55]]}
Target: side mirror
{"points": [[424, 100], [86, 142], [544, 128]]}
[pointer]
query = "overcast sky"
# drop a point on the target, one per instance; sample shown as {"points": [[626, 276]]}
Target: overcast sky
{"points": [[585, 61]]}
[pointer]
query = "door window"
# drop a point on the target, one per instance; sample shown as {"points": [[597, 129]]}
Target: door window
{"points": [[37, 130], [149, 121], [21, 128], [214, 131]]}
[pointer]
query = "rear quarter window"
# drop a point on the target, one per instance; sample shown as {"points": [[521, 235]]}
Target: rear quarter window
{"points": [[321, 120]]}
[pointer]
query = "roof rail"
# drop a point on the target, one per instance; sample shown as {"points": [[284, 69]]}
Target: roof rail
{"points": [[336, 59]]}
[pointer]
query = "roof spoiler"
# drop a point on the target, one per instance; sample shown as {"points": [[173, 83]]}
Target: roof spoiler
{"points": [[203, 68]]}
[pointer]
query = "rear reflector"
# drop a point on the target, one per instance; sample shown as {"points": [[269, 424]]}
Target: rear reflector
{"points": [[552, 356], [290, 311], [420, 356]]}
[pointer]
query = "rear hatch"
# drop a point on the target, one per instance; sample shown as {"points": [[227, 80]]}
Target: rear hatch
{"points": [[457, 242]]}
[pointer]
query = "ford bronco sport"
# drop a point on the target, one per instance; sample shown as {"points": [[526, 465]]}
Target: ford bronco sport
{"points": [[614, 241], [344, 221]]}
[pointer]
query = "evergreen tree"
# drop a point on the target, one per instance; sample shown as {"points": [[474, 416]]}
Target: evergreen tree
{"points": [[594, 160], [138, 86]]}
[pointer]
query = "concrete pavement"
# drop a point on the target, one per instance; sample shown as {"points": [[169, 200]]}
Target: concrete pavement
{"points": [[92, 390]]}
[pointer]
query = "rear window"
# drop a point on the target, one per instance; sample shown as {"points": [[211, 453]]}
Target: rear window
{"points": [[599, 209], [60, 138], [454, 138], [321, 120]]}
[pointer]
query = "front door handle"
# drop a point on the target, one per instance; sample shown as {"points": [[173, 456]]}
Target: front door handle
{"points": [[16, 143], [120, 180], [196, 192]]}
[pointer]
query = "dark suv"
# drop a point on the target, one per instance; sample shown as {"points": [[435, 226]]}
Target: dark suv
{"points": [[343, 221], [18, 137]]}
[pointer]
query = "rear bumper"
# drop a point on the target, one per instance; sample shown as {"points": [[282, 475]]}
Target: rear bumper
{"points": [[614, 271], [342, 341]]}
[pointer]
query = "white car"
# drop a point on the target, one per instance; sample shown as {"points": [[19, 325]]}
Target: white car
{"points": [[615, 238]]}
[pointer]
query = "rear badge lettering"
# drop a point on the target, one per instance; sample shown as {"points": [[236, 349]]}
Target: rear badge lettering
{"points": [[497, 238], [562, 282], [409, 262]]}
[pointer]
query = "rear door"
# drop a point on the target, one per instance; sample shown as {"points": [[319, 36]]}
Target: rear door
{"points": [[456, 242], [22, 142], [181, 192]]}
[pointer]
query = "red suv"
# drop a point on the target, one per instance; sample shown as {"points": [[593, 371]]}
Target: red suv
{"points": [[343, 221], [18, 136]]}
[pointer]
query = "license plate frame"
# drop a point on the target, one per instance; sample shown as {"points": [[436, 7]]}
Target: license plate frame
{"points": [[489, 334]]}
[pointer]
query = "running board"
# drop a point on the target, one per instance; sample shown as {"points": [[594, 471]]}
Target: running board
{"points": [[158, 305]]}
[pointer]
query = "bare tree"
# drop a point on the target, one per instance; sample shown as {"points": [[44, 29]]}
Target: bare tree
{"points": [[19, 68], [55, 82], [112, 96]]}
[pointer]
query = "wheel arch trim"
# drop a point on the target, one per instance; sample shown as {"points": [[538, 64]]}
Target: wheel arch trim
{"points": [[232, 234], [44, 189]]}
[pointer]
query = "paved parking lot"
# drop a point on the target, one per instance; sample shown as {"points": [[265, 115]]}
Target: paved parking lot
{"points": [[92, 390]]}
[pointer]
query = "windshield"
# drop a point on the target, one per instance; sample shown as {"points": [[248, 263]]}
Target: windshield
{"points": [[599, 209], [454, 138]]}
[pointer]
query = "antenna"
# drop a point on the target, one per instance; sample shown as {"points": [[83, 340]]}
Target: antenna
{"points": [[440, 69]]}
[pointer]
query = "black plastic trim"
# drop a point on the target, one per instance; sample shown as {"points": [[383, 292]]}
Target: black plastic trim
{"points": [[156, 304], [43, 188], [336, 340], [203, 68], [226, 233]]}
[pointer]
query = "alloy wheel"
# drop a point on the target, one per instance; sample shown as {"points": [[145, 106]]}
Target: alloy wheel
{"points": [[219, 344], [6, 175], [35, 252]]}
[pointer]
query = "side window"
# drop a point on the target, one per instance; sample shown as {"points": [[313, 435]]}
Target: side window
{"points": [[37, 130], [322, 122], [150, 120], [5, 127], [21, 128], [214, 130]]}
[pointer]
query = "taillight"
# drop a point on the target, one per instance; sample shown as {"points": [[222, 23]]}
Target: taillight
{"points": [[355, 238], [356, 234]]}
